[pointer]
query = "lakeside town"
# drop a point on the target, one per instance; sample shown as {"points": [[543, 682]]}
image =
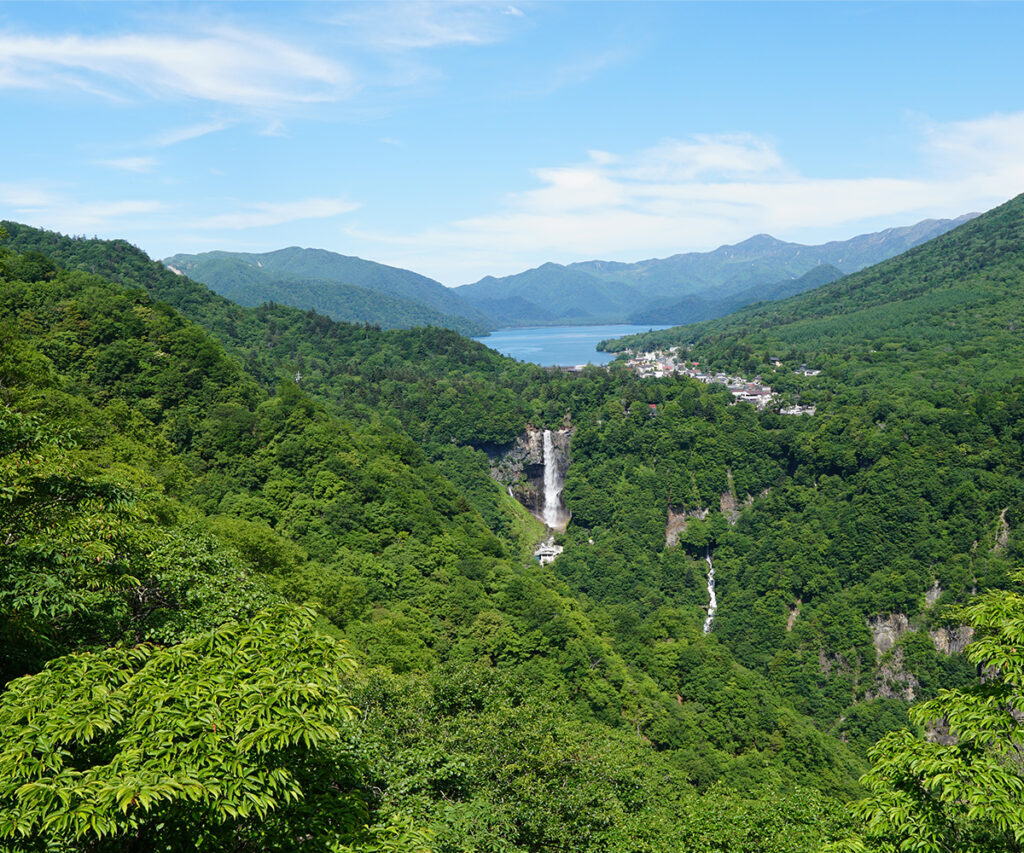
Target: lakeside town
{"points": [[660, 363]]}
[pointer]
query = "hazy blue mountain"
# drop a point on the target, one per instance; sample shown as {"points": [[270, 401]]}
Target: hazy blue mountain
{"points": [[343, 287], [696, 309], [594, 291], [951, 308], [550, 295]]}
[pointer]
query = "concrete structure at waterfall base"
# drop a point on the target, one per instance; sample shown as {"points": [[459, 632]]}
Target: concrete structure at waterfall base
{"points": [[547, 552]]}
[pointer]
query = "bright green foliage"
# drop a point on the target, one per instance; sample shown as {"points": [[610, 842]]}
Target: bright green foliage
{"points": [[933, 796], [408, 545], [83, 563], [65, 537], [237, 739], [491, 768], [364, 485]]}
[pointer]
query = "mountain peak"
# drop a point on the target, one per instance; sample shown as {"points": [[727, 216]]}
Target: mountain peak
{"points": [[760, 241]]}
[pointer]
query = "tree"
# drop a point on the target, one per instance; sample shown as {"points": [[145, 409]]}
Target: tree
{"points": [[63, 539], [930, 795], [83, 564], [238, 739]]}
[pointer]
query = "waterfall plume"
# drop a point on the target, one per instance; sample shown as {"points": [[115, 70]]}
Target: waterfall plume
{"points": [[555, 516]]}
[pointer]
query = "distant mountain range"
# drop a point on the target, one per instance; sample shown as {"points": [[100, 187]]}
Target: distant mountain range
{"points": [[948, 312], [688, 287], [683, 288], [697, 308]]}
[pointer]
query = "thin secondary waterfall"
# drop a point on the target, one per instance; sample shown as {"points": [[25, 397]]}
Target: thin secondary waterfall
{"points": [[553, 484], [712, 599]]}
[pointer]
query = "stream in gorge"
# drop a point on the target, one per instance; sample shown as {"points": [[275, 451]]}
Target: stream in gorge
{"points": [[712, 598]]}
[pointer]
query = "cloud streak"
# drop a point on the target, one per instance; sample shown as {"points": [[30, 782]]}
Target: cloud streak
{"points": [[175, 136], [705, 190], [263, 214], [223, 65], [138, 165], [54, 210], [403, 26]]}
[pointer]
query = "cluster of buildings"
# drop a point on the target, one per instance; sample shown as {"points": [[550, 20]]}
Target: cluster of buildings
{"points": [[667, 363]]}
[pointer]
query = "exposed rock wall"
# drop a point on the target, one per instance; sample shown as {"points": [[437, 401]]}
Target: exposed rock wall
{"points": [[678, 521], [887, 630], [520, 466], [952, 641], [892, 679]]}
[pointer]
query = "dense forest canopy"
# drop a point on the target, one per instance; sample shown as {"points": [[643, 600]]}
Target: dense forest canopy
{"points": [[183, 478]]}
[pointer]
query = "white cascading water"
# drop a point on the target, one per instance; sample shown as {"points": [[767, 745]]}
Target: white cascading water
{"points": [[553, 516], [712, 599]]}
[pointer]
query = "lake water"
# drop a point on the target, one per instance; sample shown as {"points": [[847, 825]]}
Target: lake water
{"points": [[563, 346]]}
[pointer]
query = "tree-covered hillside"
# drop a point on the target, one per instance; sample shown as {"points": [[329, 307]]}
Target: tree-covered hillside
{"points": [[946, 313], [154, 487], [166, 471], [342, 287]]}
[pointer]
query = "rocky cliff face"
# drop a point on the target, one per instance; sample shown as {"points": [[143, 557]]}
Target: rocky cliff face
{"points": [[892, 678], [952, 641], [521, 468], [887, 630], [678, 521]]}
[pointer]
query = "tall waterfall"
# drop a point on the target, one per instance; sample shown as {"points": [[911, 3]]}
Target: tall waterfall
{"points": [[554, 515], [712, 598]]}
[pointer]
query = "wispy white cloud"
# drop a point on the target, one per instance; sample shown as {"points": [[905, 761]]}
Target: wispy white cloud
{"points": [[702, 191], [26, 196], [262, 214], [176, 135], [139, 165], [400, 26], [275, 128], [992, 145], [56, 211], [223, 65], [53, 205], [583, 68]]}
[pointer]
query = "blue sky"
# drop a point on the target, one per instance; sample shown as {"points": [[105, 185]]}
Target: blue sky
{"points": [[463, 139]]}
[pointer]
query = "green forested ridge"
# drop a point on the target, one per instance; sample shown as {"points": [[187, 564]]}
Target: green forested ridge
{"points": [[946, 312], [348, 289], [280, 456]]}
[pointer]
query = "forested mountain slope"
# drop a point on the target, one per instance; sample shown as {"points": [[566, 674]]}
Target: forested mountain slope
{"points": [[949, 310], [318, 460], [906, 479], [343, 287], [695, 309], [196, 490], [551, 294]]}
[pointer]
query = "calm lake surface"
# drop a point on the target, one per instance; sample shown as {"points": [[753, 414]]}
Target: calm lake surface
{"points": [[563, 346]]}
